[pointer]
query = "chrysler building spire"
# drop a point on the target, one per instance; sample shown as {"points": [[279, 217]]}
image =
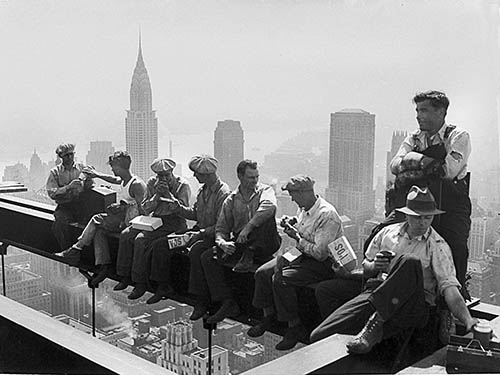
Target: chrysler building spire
{"points": [[141, 124]]}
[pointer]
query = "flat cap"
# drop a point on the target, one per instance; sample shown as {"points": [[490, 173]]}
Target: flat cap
{"points": [[204, 164], [162, 165], [299, 182]]}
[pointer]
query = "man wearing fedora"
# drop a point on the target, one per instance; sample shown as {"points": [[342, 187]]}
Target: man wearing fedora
{"points": [[316, 225], [402, 291], [205, 212], [134, 251]]}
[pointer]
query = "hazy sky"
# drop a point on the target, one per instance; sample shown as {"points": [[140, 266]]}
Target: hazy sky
{"points": [[277, 66]]}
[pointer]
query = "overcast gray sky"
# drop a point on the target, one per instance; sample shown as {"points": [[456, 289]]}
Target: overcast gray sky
{"points": [[277, 66]]}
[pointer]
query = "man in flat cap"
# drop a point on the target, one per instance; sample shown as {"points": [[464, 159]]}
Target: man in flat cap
{"points": [[205, 212], [245, 232], [316, 225], [134, 252], [65, 184], [117, 216], [408, 265]]}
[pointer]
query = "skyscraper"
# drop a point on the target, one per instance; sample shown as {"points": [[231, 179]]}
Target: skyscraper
{"points": [[141, 124], [98, 155], [350, 177], [228, 150], [398, 136]]}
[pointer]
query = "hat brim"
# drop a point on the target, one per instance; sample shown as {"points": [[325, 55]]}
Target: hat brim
{"points": [[409, 211]]}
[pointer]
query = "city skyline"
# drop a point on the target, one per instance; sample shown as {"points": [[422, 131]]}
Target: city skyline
{"points": [[278, 67]]}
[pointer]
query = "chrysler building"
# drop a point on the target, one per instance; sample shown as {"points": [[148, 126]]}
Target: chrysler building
{"points": [[141, 124]]}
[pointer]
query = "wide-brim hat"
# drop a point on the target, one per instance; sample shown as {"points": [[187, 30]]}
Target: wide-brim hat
{"points": [[420, 202]]}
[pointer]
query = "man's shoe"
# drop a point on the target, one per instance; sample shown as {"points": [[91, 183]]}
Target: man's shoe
{"points": [[265, 325], [100, 277], [245, 263], [229, 309], [371, 334], [123, 284], [71, 255], [138, 291], [292, 336], [163, 292], [200, 309]]}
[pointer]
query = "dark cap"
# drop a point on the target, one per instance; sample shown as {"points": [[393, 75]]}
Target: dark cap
{"points": [[299, 182]]}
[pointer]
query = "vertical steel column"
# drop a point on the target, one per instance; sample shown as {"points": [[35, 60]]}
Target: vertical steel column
{"points": [[93, 312], [210, 328], [3, 250]]}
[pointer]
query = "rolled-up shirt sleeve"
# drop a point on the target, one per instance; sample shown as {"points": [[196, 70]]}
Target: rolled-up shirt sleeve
{"points": [[458, 155], [54, 190], [225, 221], [405, 148], [327, 230], [443, 267], [267, 207]]}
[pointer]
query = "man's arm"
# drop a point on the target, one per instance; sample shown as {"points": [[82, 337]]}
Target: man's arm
{"points": [[222, 194], [137, 191], [151, 198], [225, 222], [56, 192], [458, 155], [92, 173], [405, 148], [457, 306]]}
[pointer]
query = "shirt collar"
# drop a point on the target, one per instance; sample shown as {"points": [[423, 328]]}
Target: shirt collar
{"points": [[214, 186], [73, 166], [314, 207], [403, 232]]}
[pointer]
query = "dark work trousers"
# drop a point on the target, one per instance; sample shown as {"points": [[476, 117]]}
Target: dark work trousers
{"points": [[197, 282], [263, 241], [331, 294], [64, 215], [134, 251], [161, 259], [275, 283], [399, 300], [454, 225]]}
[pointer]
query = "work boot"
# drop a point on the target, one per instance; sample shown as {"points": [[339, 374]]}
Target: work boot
{"points": [[100, 276], [371, 334], [163, 292], [138, 292], [229, 309], [71, 255], [265, 325], [200, 309], [292, 336], [123, 284], [245, 263]]}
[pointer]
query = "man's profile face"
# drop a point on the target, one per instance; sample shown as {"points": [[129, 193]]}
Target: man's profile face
{"points": [[297, 197], [419, 224], [249, 179], [201, 177], [429, 119], [116, 169]]}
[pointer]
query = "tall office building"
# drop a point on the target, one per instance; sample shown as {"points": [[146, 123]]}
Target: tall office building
{"points": [[98, 155], [141, 124], [228, 150], [350, 177], [398, 137]]}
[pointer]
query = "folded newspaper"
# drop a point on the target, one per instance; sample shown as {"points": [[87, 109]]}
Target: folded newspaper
{"points": [[341, 250], [178, 240]]}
